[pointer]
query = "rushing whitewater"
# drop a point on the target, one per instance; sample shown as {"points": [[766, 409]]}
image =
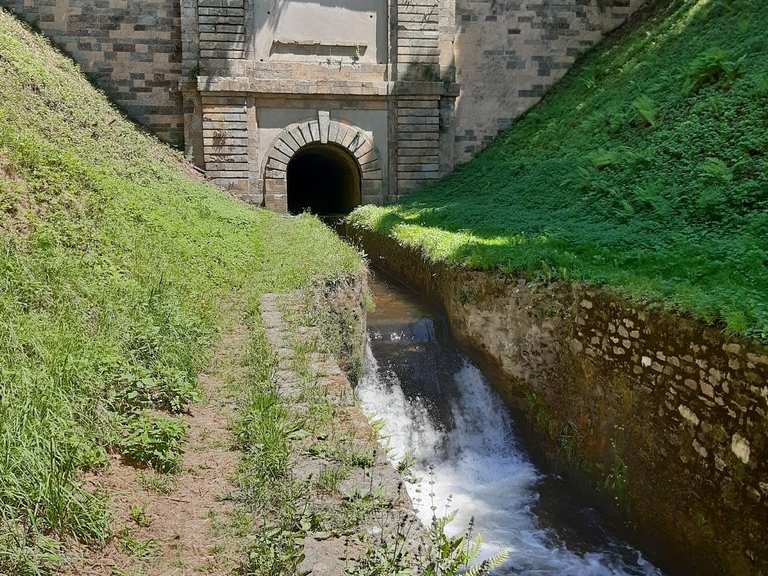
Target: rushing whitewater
{"points": [[438, 411]]}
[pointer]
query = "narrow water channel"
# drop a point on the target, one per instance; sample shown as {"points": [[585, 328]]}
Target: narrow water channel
{"points": [[438, 409]]}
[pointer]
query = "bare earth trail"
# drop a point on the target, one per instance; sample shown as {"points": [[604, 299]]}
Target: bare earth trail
{"points": [[183, 530]]}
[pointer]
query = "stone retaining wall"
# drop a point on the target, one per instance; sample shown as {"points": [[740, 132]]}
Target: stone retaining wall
{"points": [[509, 53], [336, 311], [663, 414], [130, 49]]}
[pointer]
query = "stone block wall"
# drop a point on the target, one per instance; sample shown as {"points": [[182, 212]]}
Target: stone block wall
{"points": [[226, 140], [131, 49], [418, 39], [418, 133], [221, 27], [509, 53], [451, 73], [664, 415]]}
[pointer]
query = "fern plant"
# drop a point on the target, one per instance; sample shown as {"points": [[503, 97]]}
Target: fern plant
{"points": [[715, 66], [646, 109]]}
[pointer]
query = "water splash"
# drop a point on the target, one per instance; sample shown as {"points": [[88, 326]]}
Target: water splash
{"points": [[475, 468]]}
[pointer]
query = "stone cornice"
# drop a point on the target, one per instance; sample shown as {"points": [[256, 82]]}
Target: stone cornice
{"points": [[325, 87]]}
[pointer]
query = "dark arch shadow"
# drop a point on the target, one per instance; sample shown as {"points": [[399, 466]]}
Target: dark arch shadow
{"points": [[323, 179]]}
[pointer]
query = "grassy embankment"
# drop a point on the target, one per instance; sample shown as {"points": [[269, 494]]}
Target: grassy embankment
{"points": [[114, 265], [645, 170]]}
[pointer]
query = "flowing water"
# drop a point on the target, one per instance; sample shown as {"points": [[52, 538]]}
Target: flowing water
{"points": [[438, 410]]}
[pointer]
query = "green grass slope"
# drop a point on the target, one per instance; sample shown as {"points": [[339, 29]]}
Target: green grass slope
{"points": [[646, 170], [114, 266]]}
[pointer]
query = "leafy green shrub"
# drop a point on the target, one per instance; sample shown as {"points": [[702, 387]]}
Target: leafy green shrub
{"points": [[716, 169], [153, 440], [438, 555], [166, 389], [715, 66], [275, 551]]}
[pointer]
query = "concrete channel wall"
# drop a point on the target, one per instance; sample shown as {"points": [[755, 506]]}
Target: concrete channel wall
{"points": [[664, 415]]}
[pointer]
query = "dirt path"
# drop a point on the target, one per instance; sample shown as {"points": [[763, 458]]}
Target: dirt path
{"points": [[178, 525]]}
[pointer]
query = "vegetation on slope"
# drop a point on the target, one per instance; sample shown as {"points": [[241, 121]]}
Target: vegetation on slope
{"points": [[114, 264], [646, 170]]}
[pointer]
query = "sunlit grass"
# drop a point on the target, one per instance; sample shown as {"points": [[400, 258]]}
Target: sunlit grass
{"points": [[645, 170], [114, 266]]}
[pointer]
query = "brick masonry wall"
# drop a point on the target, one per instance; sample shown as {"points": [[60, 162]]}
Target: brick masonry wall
{"points": [[226, 140], [130, 48], [418, 39], [509, 53], [666, 416], [221, 24], [418, 146]]}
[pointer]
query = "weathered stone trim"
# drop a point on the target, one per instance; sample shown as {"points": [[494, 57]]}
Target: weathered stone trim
{"points": [[357, 142], [226, 141], [418, 141], [418, 39]]}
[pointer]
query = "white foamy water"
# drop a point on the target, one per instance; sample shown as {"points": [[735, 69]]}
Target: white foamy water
{"points": [[477, 470]]}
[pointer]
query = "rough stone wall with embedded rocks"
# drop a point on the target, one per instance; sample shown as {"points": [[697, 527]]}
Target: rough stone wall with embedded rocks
{"points": [[509, 53], [665, 415], [131, 49]]}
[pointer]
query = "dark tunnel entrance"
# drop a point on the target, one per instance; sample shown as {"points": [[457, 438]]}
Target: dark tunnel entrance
{"points": [[323, 179]]}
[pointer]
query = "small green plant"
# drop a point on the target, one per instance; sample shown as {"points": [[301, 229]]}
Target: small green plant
{"points": [[275, 551], [156, 482], [437, 555], [167, 389], [616, 479], [153, 440], [602, 158], [405, 466], [139, 515], [646, 110], [343, 450], [714, 67], [141, 548], [330, 477], [716, 169], [761, 86]]}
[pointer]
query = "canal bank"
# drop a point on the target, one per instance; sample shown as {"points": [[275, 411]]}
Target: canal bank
{"points": [[463, 453], [662, 414]]}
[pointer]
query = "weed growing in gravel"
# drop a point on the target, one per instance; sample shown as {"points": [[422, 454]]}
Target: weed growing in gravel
{"points": [[156, 482], [139, 516], [141, 548]]}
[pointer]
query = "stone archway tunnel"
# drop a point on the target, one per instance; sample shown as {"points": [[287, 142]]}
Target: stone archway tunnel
{"points": [[323, 179]]}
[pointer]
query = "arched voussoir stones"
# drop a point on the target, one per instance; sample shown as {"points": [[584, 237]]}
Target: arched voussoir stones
{"points": [[293, 138]]}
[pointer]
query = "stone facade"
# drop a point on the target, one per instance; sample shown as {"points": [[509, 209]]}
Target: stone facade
{"points": [[426, 84], [131, 49], [665, 415], [509, 53]]}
